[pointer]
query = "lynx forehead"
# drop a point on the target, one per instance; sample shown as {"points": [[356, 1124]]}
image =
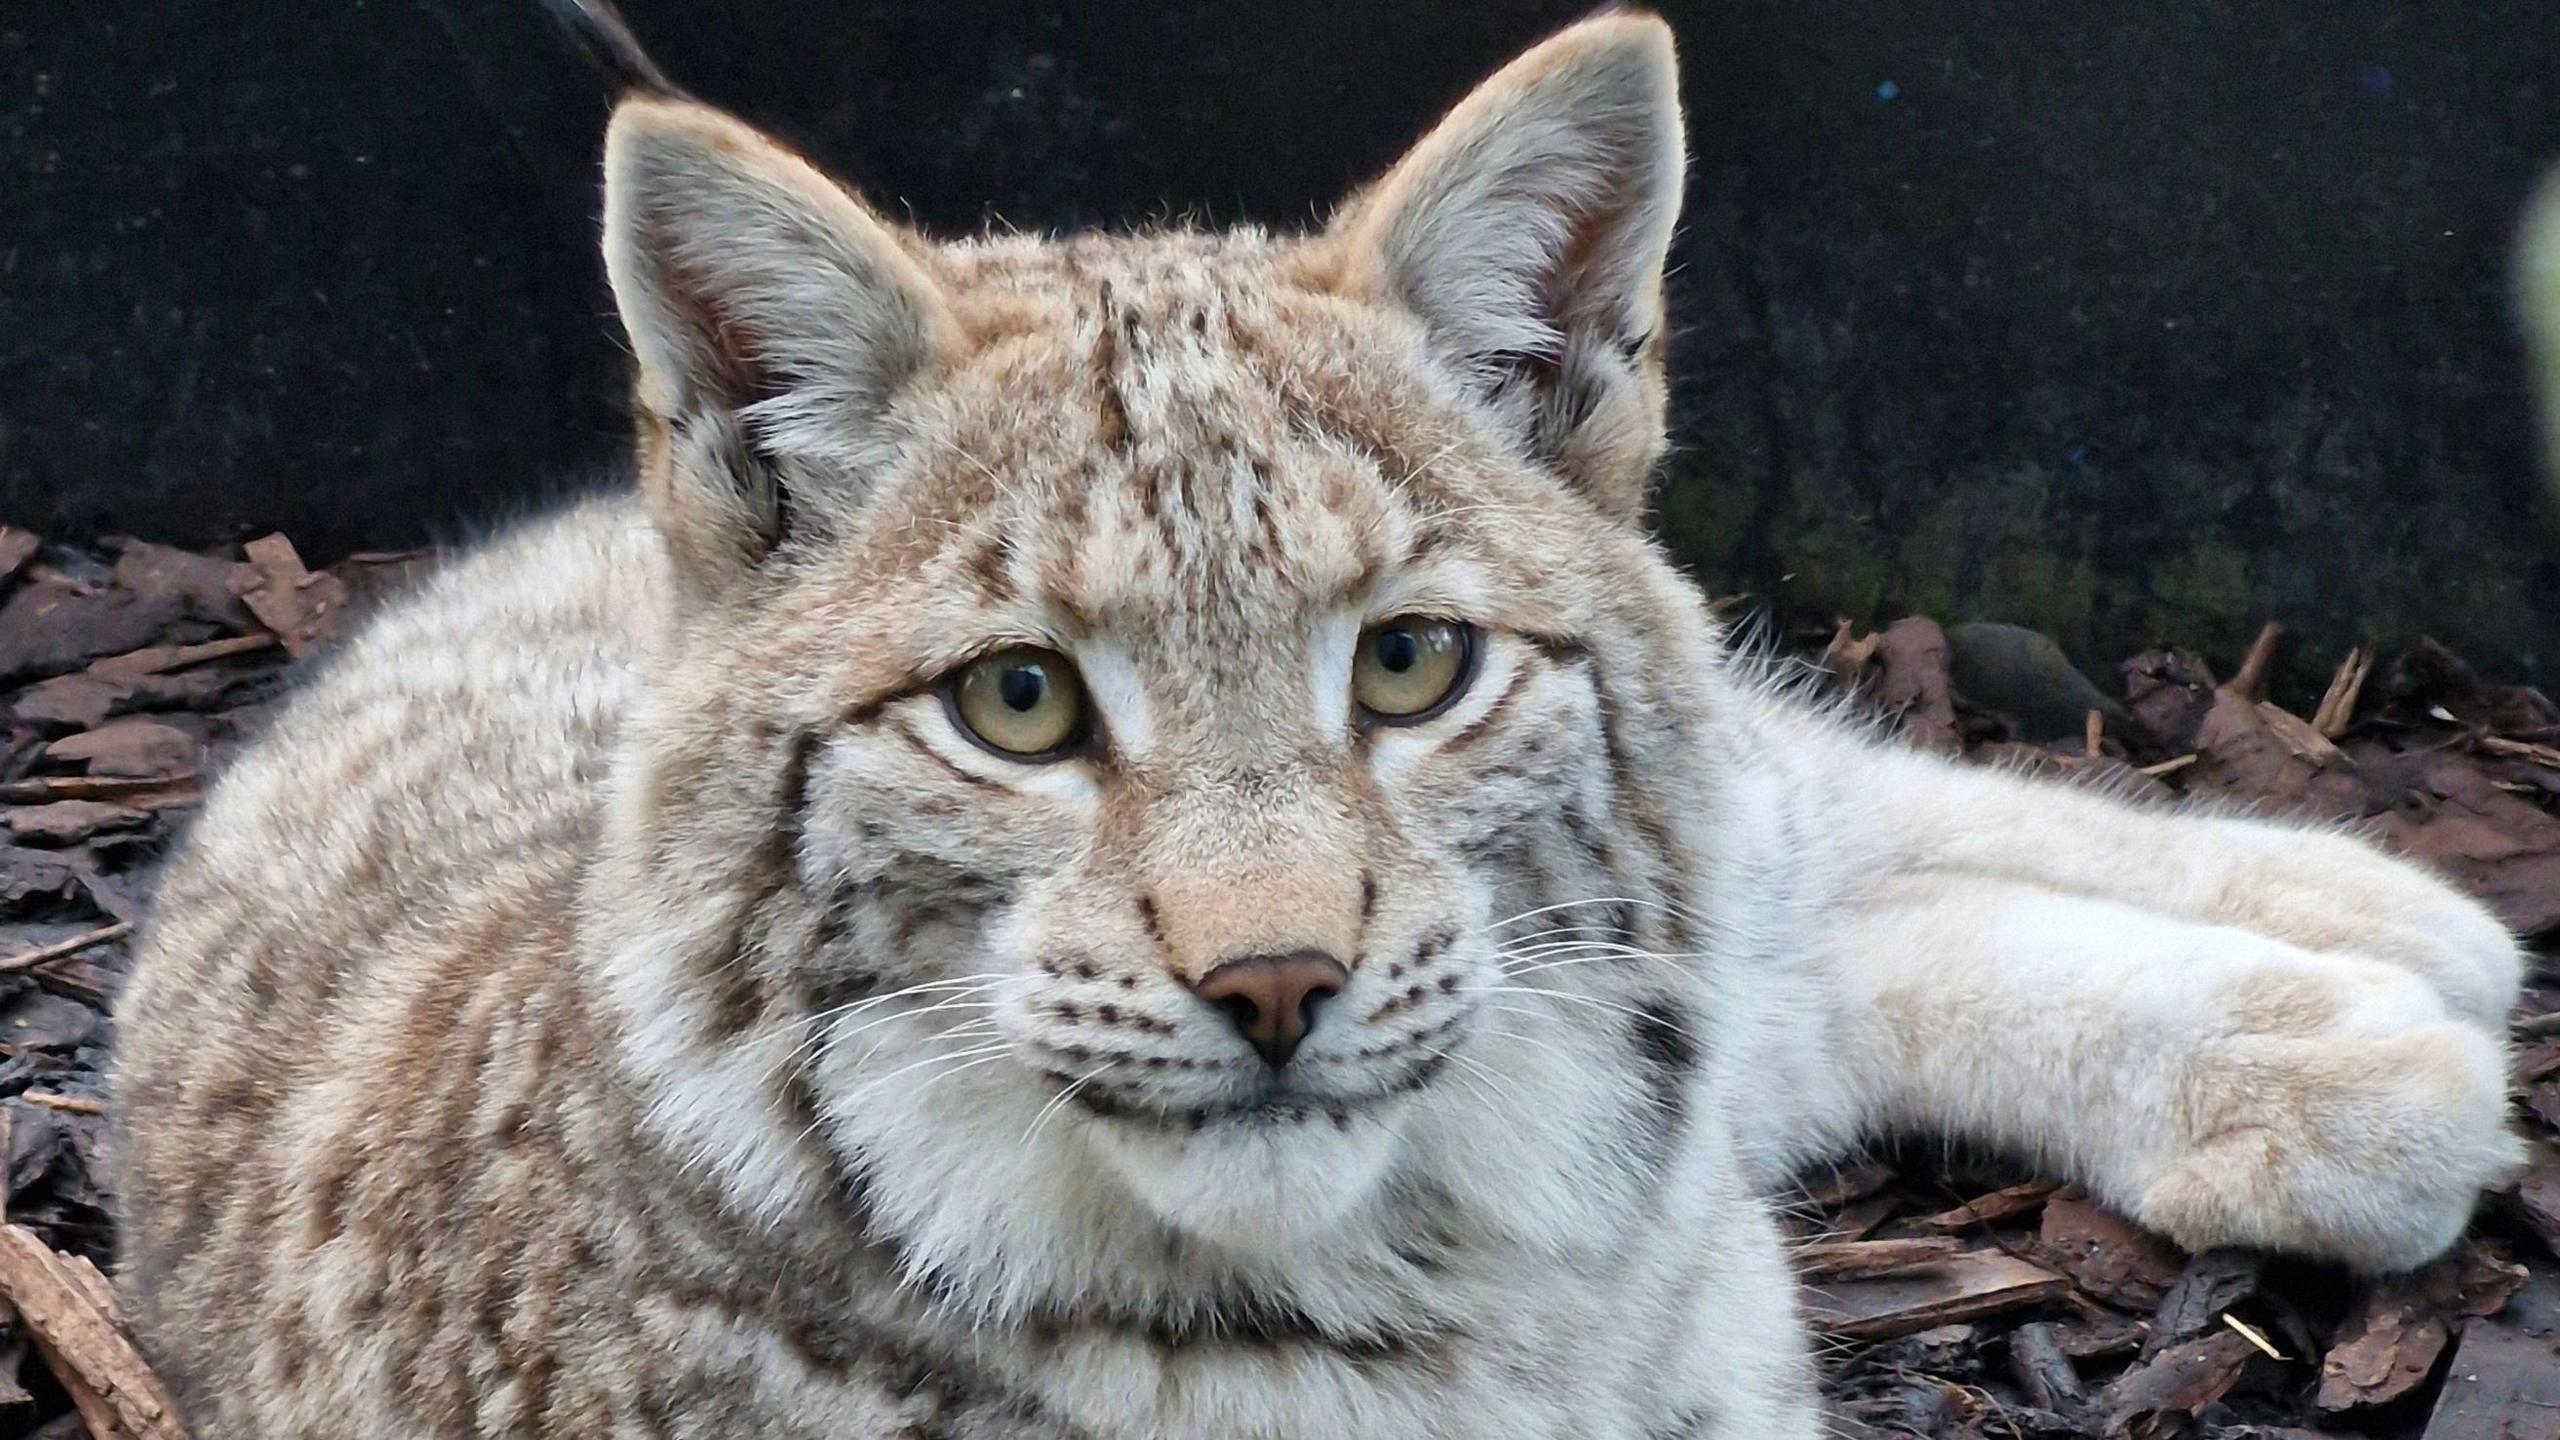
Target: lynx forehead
{"points": [[1128, 838]]}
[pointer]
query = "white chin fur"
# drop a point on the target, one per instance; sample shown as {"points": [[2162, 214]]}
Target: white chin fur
{"points": [[1252, 1186]]}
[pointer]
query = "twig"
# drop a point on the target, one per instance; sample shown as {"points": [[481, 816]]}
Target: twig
{"points": [[2094, 734], [161, 659], [29, 959], [2545, 756], [2338, 704], [2249, 682], [1843, 1259], [2253, 1335], [68, 1104], [44, 789]]}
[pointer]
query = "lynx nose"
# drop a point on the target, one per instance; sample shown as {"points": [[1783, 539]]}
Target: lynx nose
{"points": [[1272, 999]]}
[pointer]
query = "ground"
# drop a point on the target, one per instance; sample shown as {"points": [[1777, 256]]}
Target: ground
{"points": [[1959, 1297]]}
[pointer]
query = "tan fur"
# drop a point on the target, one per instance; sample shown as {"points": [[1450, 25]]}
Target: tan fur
{"points": [[616, 999]]}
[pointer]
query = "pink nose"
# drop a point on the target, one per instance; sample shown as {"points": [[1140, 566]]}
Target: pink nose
{"points": [[1272, 999]]}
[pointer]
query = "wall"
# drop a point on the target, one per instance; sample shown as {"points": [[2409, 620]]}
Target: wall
{"points": [[2125, 321]]}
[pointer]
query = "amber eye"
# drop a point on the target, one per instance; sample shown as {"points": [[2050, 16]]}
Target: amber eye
{"points": [[1409, 668], [1021, 702]]}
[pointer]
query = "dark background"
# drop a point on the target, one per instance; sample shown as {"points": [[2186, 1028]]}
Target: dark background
{"points": [[2127, 321]]}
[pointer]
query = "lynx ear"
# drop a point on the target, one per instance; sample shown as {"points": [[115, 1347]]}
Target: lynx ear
{"points": [[773, 317], [1529, 231]]}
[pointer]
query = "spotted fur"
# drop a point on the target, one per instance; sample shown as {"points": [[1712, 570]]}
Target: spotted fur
{"points": [[616, 999]]}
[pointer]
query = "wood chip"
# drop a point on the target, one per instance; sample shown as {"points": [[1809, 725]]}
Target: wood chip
{"points": [[51, 623], [134, 747], [1994, 1208], [2108, 1256], [1837, 1259], [1858, 1219], [2210, 1285], [70, 701], [2299, 735], [1912, 653], [17, 547], [1971, 1287], [2100, 1334], [1844, 1183], [201, 583], [2504, 1385], [66, 1306], [2538, 1194], [67, 822], [303, 609], [2391, 1342], [2043, 1372], [2158, 1396], [1848, 654]]}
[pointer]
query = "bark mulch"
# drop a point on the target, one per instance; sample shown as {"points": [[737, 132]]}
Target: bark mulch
{"points": [[1967, 1299], [1959, 1295]]}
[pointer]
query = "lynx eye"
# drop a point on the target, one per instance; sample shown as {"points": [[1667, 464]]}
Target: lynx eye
{"points": [[1022, 702], [1409, 669]]}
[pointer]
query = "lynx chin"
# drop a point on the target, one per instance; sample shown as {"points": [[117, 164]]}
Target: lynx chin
{"points": [[1129, 839]]}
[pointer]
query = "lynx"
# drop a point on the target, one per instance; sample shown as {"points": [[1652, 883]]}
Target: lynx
{"points": [[1128, 838]]}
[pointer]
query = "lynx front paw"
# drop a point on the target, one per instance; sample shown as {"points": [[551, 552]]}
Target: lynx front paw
{"points": [[2333, 894], [2345, 1115]]}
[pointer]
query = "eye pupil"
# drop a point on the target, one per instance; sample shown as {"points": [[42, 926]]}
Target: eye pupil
{"points": [[1022, 688], [1407, 670], [1023, 702]]}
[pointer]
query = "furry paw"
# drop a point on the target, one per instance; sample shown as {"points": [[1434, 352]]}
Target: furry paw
{"points": [[2344, 1115], [2337, 895]]}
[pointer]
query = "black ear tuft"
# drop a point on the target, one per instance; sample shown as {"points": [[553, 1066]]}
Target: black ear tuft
{"points": [[599, 30]]}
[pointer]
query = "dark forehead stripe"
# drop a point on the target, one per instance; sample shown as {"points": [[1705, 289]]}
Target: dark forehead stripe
{"points": [[1112, 421], [991, 564]]}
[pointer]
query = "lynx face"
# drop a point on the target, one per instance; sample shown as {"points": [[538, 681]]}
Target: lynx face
{"points": [[1127, 687]]}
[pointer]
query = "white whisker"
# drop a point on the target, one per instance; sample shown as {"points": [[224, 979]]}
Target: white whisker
{"points": [[1060, 1099], [998, 1048], [1593, 1001], [1568, 1057]]}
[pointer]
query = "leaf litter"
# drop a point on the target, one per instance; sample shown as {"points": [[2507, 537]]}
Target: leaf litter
{"points": [[1958, 1295]]}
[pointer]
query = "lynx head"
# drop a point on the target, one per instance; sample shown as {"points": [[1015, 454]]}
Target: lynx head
{"points": [[1124, 687]]}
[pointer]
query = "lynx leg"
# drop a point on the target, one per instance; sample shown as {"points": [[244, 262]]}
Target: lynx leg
{"points": [[2219, 1085]]}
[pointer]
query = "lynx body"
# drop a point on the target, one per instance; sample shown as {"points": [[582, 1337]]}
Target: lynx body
{"points": [[643, 988]]}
